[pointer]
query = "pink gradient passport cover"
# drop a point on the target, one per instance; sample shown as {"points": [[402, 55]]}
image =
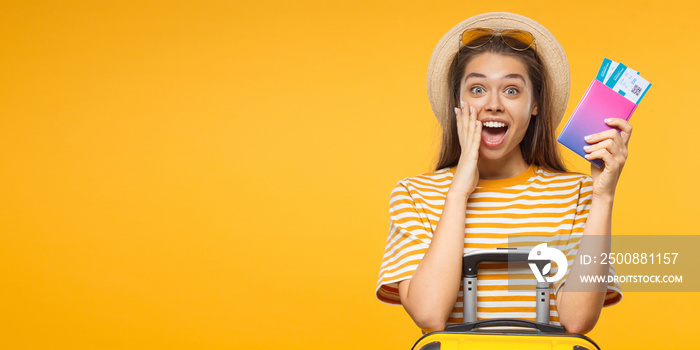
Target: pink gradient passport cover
{"points": [[599, 102]]}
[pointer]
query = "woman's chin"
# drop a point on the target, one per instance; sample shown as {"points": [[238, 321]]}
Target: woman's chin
{"points": [[502, 152]]}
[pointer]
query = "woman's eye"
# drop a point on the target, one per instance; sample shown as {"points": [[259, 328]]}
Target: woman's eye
{"points": [[511, 91], [477, 90]]}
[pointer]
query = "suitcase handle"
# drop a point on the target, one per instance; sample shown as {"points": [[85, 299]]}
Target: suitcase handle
{"points": [[471, 260], [470, 266], [470, 326]]}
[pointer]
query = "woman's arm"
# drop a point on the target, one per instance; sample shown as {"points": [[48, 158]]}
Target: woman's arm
{"points": [[579, 304], [430, 295]]}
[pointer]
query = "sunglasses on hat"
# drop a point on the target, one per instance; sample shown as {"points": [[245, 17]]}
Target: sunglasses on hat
{"points": [[518, 40]]}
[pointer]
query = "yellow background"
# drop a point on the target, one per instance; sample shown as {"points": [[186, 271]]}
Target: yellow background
{"points": [[205, 175]]}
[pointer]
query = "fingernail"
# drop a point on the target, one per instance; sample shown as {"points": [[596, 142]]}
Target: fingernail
{"points": [[608, 120], [589, 137], [588, 155], [586, 148], [461, 103], [456, 110], [471, 110]]}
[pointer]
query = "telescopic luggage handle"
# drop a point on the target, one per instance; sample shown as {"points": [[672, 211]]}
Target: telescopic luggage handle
{"points": [[470, 267], [471, 260]]}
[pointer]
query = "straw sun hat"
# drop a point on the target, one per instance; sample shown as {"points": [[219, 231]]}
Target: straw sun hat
{"points": [[548, 49]]}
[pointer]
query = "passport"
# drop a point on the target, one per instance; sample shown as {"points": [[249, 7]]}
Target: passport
{"points": [[598, 103], [614, 93]]}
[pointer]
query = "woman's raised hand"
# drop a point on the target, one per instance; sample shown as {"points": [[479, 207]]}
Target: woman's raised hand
{"points": [[469, 131], [611, 147]]}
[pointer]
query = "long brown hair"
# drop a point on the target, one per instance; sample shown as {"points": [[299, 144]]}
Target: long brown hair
{"points": [[538, 145]]}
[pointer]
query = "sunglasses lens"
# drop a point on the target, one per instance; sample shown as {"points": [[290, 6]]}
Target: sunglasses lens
{"points": [[476, 37], [517, 39]]}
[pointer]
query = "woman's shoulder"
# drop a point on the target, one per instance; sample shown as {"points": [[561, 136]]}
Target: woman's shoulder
{"points": [[430, 182], [435, 176], [558, 175]]}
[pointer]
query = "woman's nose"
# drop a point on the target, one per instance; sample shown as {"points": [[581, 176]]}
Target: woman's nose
{"points": [[493, 104]]}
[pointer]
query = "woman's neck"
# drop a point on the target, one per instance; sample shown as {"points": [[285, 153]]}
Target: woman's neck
{"points": [[496, 169]]}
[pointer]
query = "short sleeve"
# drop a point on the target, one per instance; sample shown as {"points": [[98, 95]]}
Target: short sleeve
{"points": [[409, 236], [614, 292]]}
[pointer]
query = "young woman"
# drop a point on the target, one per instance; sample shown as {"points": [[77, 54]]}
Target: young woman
{"points": [[499, 84]]}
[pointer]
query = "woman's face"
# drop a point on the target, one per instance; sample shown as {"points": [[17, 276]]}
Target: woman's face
{"points": [[498, 88]]}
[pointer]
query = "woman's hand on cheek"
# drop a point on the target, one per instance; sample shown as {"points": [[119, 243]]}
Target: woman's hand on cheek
{"points": [[469, 131], [611, 147]]}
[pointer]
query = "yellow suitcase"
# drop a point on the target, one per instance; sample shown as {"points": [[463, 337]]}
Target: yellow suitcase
{"points": [[474, 334]]}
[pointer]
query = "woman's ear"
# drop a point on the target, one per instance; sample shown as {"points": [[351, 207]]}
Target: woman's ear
{"points": [[534, 109]]}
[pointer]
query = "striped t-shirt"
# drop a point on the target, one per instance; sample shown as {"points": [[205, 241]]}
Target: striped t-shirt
{"points": [[550, 206]]}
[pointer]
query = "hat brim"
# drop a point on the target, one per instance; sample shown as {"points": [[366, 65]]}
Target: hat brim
{"points": [[548, 49]]}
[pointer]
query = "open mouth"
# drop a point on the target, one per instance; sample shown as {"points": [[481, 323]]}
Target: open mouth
{"points": [[493, 133]]}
